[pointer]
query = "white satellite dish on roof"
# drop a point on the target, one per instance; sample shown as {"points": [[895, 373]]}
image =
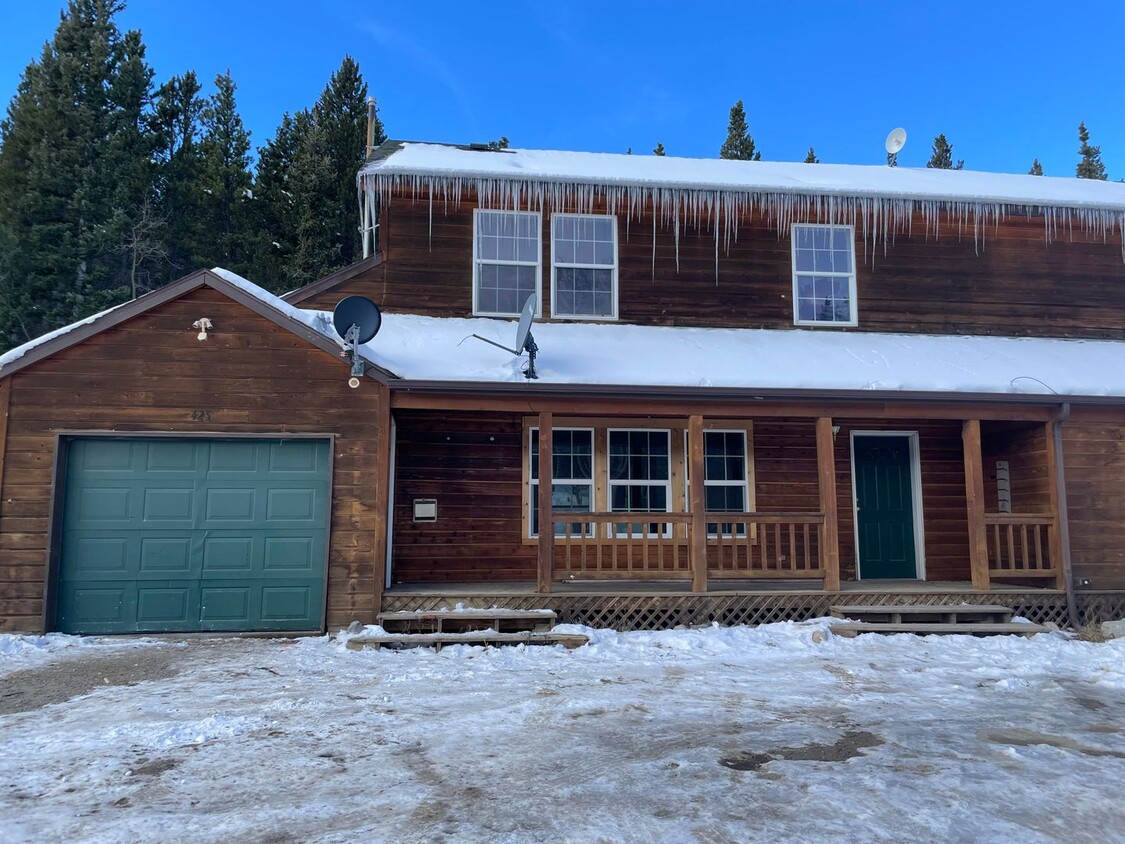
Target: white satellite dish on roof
{"points": [[895, 141], [524, 341]]}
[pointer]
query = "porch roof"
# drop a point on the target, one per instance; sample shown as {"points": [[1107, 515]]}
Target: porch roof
{"points": [[419, 348]]}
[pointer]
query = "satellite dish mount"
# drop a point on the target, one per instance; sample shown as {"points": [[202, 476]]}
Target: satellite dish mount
{"points": [[524, 341], [356, 319]]}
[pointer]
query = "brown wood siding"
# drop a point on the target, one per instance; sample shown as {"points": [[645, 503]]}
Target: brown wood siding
{"points": [[472, 465], [1010, 282], [1025, 449], [151, 374], [1094, 457], [944, 508]]}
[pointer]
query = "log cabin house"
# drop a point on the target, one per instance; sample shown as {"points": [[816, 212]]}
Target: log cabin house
{"points": [[763, 388]]}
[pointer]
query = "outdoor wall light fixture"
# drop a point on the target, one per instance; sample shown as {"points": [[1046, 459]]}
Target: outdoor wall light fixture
{"points": [[203, 325], [835, 431]]}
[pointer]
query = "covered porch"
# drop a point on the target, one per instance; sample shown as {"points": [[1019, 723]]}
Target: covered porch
{"points": [[984, 484]]}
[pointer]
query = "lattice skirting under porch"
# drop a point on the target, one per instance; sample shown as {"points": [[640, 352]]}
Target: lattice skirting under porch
{"points": [[659, 612]]}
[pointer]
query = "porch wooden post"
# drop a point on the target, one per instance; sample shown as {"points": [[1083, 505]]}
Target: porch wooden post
{"points": [[974, 495], [383, 483], [546, 527], [1056, 495], [826, 478], [698, 549]]}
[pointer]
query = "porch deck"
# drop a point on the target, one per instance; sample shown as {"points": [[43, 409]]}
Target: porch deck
{"points": [[654, 604]]}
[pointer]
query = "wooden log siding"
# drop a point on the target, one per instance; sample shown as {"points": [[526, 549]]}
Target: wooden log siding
{"points": [[1094, 453], [151, 374], [1014, 283]]}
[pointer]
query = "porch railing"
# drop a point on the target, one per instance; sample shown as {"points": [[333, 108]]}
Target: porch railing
{"points": [[1019, 544], [780, 545], [657, 546]]}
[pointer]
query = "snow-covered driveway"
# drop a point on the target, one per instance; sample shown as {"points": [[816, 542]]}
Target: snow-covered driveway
{"points": [[778, 733]]}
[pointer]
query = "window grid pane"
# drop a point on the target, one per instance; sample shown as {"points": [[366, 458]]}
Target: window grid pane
{"points": [[824, 274], [506, 255], [584, 254]]}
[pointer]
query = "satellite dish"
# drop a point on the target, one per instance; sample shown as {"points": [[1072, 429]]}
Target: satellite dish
{"points": [[360, 312], [356, 319], [895, 141], [523, 331], [524, 341]]}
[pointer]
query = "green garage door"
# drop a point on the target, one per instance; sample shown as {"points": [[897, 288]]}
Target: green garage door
{"points": [[164, 535]]}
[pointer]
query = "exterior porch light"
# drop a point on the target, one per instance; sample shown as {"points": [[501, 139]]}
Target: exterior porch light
{"points": [[203, 325], [835, 431]]}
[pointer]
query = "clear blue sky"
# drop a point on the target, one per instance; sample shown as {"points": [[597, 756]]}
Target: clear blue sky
{"points": [[1005, 81]]}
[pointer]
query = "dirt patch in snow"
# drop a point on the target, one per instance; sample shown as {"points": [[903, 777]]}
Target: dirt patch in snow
{"points": [[848, 746], [78, 671]]}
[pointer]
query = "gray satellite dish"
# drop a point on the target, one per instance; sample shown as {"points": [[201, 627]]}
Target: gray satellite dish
{"points": [[524, 341], [356, 319], [895, 141]]}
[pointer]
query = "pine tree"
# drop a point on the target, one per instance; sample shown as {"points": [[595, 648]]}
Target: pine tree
{"points": [[1090, 164], [811, 157], [942, 157], [1036, 168], [75, 159], [276, 208], [739, 145], [224, 179], [658, 149], [177, 128]]}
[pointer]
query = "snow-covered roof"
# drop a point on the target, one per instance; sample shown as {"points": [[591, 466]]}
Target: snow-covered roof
{"points": [[713, 174], [434, 349], [715, 194], [442, 349]]}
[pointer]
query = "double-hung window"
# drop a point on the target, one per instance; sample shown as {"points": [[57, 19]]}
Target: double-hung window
{"points": [[584, 266], [572, 476], [724, 476], [824, 289], [506, 261], [640, 479]]}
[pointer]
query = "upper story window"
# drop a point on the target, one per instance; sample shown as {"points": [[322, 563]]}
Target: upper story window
{"points": [[584, 266], [824, 275], [506, 261]]}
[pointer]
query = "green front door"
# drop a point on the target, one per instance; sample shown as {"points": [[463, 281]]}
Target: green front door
{"points": [[884, 507], [162, 535]]}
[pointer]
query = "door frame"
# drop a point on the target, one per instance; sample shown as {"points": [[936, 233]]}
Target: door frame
{"points": [[65, 436], [915, 495]]}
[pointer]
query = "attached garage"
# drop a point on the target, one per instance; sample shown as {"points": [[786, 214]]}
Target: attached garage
{"points": [[186, 534]]}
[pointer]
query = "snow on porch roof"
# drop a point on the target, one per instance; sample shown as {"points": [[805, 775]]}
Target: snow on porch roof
{"points": [[441, 349], [404, 160]]}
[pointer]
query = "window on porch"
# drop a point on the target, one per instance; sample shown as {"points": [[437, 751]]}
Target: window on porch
{"points": [[572, 475]]}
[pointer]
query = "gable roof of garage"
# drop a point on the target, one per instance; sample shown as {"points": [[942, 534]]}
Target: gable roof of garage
{"points": [[308, 325]]}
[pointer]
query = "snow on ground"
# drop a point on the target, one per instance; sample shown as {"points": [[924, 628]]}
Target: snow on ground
{"points": [[776, 733]]}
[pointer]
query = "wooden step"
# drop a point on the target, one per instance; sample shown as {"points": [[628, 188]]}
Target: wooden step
{"points": [[850, 629], [437, 640], [921, 614], [459, 621]]}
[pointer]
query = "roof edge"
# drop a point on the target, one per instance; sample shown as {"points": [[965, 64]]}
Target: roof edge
{"points": [[301, 294]]}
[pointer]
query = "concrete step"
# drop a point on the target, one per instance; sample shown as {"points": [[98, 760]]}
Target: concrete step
{"points": [[462, 620], [437, 640], [850, 629], [916, 613]]}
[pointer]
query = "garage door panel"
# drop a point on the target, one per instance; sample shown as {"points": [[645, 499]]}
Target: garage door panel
{"points": [[174, 457], [229, 504], [165, 535], [172, 605]]}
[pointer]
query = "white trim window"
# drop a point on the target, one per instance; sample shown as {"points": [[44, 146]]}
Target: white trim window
{"points": [[507, 260], [824, 288], [725, 477], [572, 477], [639, 467], [584, 266]]}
